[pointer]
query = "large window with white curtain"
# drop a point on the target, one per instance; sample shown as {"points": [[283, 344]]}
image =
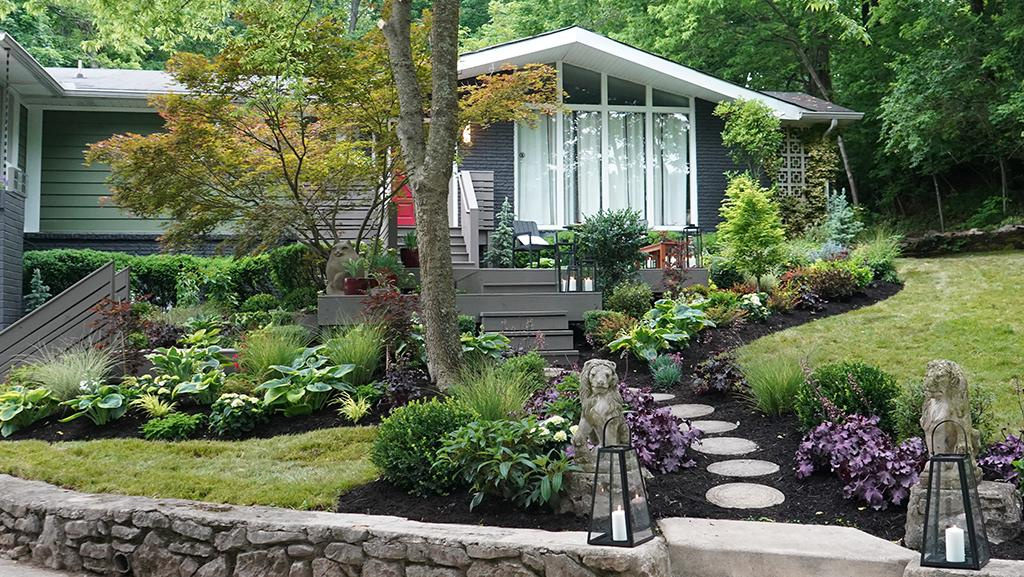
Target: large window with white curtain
{"points": [[617, 144]]}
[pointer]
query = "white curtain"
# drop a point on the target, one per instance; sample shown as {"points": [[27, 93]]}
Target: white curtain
{"points": [[582, 164], [626, 167], [671, 169], [537, 171]]}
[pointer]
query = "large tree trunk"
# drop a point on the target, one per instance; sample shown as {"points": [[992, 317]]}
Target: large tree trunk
{"points": [[353, 16], [428, 159]]}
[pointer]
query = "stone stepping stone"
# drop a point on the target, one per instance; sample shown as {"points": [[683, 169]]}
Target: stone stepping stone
{"points": [[691, 411], [743, 468], [662, 397], [744, 496], [711, 427], [725, 446]]}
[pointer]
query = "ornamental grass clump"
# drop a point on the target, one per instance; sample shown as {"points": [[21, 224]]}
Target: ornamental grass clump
{"points": [[362, 346], [772, 385], [492, 393], [873, 468], [407, 442], [272, 345], [666, 371], [62, 371]]}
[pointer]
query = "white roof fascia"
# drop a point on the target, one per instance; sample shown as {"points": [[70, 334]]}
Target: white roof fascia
{"points": [[490, 59], [30, 63]]}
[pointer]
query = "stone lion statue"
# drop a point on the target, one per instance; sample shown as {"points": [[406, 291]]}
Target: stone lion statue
{"points": [[945, 399], [341, 253], [601, 401]]}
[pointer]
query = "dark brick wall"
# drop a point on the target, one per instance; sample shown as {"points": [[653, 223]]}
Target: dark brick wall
{"points": [[712, 163], [494, 149], [138, 244], [13, 222]]}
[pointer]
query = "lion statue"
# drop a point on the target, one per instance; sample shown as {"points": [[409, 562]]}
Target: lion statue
{"points": [[602, 402], [946, 413], [341, 253]]}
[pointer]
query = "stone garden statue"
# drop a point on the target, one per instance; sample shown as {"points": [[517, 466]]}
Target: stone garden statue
{"points": [[341, 254], [601, 401], [946, 410]]}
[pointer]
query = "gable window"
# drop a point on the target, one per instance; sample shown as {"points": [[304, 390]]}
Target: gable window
{"points": [[617, 144]]}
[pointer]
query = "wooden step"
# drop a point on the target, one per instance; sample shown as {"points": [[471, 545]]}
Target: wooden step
{"points": [[520, 287], [554, 340], [524, 320]]}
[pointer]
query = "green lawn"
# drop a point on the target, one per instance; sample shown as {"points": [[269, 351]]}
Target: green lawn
{"points": [[968, 309], [305, 471]]}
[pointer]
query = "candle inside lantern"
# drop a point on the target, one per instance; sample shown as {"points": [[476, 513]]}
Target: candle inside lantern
{"points": [[588, 284], [572, 284], [618, 525], [956, 546]]}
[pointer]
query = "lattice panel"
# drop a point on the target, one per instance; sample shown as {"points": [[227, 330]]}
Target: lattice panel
{"points": [[791, 178]]}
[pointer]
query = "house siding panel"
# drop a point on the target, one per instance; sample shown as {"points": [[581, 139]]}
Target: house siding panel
{"points": [[493, 150], [712, 163], [73, 196]]}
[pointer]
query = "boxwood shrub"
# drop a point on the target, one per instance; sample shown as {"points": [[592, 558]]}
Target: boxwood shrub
{"points": [[836, 390], [405, 450]]}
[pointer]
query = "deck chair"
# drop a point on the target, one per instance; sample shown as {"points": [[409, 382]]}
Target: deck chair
{"points": [[528, 238]]}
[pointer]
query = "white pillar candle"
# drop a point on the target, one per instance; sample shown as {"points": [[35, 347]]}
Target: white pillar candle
{"points": [[956, 545], [572, 284], [618, 525], [588, 284]]}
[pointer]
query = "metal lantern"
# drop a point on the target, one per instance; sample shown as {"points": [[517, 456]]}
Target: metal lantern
{"points": [[954, 527], [619, 515]]}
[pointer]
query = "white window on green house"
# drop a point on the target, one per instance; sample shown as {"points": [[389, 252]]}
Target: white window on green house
{"points": [[618, 144]]}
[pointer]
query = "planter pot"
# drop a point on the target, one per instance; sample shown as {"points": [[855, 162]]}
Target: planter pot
{"points": [[356, 286], [410, 257]]}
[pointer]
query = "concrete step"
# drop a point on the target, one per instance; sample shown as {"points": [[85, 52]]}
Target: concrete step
{"points": [[525, 320], [720, 548], [553, 340], [520, 287], [564, 358]]}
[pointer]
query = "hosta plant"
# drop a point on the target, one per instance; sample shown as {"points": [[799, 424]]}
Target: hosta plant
{"points": [[306, 385], [204, 386], [100, 403], [182, 363], [520, 461], [232, 415], [488, 345], [670, 324], [20, 407], [873, 468]]}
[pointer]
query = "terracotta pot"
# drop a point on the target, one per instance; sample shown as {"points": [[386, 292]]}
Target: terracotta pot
{"points": [[356, 286], [410, 257]]}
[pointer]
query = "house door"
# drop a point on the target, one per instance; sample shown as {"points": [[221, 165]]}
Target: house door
{"points": [[404, 206]]}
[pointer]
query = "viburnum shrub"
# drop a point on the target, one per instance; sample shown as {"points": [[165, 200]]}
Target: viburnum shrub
{"points": [[1004, 460], [719, 374], [873, 469], [405, 449], [835, 390], [837, 279]]}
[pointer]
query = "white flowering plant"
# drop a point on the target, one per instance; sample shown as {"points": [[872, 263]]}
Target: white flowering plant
{"points": [[521, 461], [755, 306], [233, 415]]}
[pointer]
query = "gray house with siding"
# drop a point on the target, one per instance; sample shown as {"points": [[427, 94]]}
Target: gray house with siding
{"points": [[637, 131]]}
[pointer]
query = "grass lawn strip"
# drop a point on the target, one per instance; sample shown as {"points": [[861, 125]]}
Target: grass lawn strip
{"points": [[968, 309], [305, 471]]}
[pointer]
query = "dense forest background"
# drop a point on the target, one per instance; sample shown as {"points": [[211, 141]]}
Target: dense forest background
{"points": [[941, 82]]}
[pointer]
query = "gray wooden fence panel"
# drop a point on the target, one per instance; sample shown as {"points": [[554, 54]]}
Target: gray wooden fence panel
{"points": [[67, 319], [12, 234]]}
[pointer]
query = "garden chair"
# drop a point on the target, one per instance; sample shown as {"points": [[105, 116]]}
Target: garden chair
{"points": [[528, 238]]}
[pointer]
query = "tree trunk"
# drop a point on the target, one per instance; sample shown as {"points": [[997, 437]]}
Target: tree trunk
{"points": [[353, 16], [938, 202], [849, 170], [428, 159], [1004, 184]]}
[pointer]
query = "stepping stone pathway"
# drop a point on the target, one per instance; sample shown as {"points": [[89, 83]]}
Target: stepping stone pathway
{"points": [[744, 496], [730, 495], [725, 446], [712, 427], [662, 397], [743, 468], [691, 411]]}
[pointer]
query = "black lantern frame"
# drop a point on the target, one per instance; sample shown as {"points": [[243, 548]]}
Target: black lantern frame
{"points": [[933, 543], [622, 487]]}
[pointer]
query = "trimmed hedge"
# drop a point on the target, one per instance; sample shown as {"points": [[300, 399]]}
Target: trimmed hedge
{"points": [[281, 272]]}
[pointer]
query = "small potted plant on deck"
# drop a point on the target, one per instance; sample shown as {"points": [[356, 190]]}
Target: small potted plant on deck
{"points": [[356, 282], [410, 253]]}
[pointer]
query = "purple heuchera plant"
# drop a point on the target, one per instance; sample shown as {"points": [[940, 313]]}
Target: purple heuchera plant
{"points": [[657, 437], [864, 457], [997, 460]]}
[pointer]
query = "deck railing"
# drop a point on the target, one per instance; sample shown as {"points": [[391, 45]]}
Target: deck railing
{"points": [[470, 221]]}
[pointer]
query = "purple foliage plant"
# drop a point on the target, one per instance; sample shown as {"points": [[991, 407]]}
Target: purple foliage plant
{"points": [[997, 462], [873, 469]]}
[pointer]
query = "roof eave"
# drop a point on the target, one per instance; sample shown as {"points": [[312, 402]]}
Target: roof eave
{"points": [[828, 116], [31, 64]]}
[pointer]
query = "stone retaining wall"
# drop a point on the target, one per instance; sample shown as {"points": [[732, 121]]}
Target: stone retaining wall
{"points": [[114, 535]]}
